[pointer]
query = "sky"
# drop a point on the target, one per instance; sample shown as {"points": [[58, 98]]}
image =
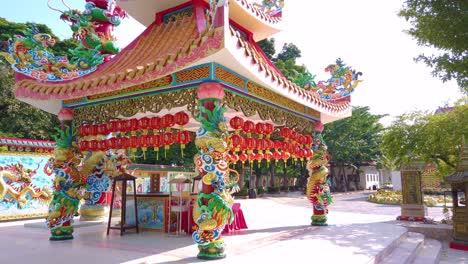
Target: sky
{"points": [[367, 34]]}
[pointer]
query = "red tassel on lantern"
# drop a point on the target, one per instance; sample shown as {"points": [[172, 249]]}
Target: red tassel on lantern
{"points": [[156, 142], [182, 138]]}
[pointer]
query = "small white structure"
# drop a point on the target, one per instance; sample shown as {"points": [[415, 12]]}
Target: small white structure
{"points": [[396, 180], [370, 177]]}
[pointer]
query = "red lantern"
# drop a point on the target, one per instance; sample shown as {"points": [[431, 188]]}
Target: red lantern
{"points": [[286, 146], [182, 138], [144, 124], [268, 156], [252, 157], [83, 145], [243, 157], [110, 126], [113, 143], [156, 140], [125, 143], [278, 144], [234, 158], [309, 153], [103, 145], [268, 129], [93, 145], [155, 123], [93, 130], [134, 126], [236, 123], [248, 127], [127, 126], [84, 130], [250, 144], [301, 140], [309, 140], [277, 155], [167, 140], [133, 142], [237, 142], [270, 144], [143, 142], [261, 144], [285, 132], [102, 129], [167, 121], [294, 135], [285, 155], [120, 125], [260, 129], [181, 118]]}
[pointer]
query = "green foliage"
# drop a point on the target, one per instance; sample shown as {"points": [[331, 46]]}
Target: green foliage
{"points": [[432, 138], [289, 52], [442, 24], [20, 119], [268, 47], [354, 140]]}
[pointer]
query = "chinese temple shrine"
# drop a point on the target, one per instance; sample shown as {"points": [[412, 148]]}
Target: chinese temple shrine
{"points": [[194, 74]]}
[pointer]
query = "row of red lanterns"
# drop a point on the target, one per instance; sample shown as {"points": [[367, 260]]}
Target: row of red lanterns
{"points": [[143, 141], [250, 127], [291, 135], [304, 153], [242, 144], [132, 125]]}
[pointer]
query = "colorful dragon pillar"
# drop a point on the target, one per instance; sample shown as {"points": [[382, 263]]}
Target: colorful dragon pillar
{"points": [[212, 209], [318, 190]]}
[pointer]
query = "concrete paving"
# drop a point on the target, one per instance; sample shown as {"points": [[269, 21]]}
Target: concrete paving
{"points": [[278, 231]]}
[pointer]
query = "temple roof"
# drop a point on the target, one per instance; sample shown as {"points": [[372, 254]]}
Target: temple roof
{"points": [[158, 51], [165, 48]]}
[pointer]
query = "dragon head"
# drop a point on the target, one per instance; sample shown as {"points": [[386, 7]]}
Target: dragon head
{"points": [[45, 40]]}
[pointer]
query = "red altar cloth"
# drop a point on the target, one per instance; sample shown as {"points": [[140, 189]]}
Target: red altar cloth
{"points": [[238, 223]]}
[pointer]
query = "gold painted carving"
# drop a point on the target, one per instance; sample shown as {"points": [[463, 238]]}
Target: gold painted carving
{"points": [[130, 107], [249, 108], [161, 82], [72, 101], [275, 98], [229, 77], [193, 74], [177, 16]]}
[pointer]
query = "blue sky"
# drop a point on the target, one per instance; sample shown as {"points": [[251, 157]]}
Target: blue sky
{"points": [[366, 34]]}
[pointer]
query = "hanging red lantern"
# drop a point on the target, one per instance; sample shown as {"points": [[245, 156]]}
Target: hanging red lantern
{"points": [[127, 126], [112, 143], [237, 142], [133, 144], [83, 145], [234, 158], [182, 138], [269, 144], [260, 129], [248, 127], [84, 130], [243, 157], [155, 123], [285, 132], [250, 144], [268, 155], [285, 155], [125, 143], [103, 145], [261, 144], [167, 121], [93, 145], [268, 129], [144, 124], [156, 142], [93, 130], [134, 126], [102, 129], [277, 155], [309, 140], [236, 123], [294, 135], [181, 118], [110, 127], [301, 140], [286, 146], [168, 140], [278, 144], [120, 126], [252, 157], [143, 143]]}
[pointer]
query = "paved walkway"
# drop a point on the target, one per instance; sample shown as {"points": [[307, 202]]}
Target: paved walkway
{"points": [[278, 231]]}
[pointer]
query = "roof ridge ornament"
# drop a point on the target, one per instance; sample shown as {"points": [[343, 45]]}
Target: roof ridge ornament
{"points": [[271, 7], [340, 85], [30, 54]]}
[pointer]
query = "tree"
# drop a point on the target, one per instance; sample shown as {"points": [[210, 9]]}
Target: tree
{"points": [[353, 141], [289, 52], [432, 138], [268, 47], [443, 25]]}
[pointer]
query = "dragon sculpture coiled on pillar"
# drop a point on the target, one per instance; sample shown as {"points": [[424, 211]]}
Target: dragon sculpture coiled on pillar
{"points": [[212, 209], [318, 189]]}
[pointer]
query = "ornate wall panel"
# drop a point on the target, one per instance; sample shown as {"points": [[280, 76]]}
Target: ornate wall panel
{"points": [[193, 74]]}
